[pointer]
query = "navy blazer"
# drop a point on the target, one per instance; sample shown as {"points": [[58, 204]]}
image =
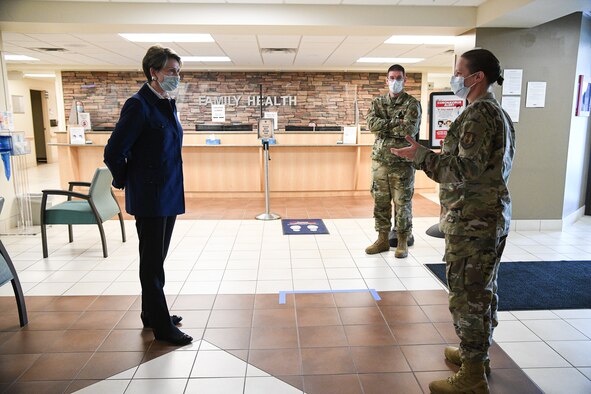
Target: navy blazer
{"points": [[144, 156]]}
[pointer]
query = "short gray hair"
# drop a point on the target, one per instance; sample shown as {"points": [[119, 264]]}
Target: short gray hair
{"points": [[156, 58]]}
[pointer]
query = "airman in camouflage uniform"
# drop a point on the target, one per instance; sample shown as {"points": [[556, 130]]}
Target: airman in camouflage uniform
{"points": [[473, 171], [392, 117]]}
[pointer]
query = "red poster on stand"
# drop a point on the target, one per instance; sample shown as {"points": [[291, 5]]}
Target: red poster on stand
{"points": [[444, 108]]}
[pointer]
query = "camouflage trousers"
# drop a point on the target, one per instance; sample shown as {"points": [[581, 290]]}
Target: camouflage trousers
{"points": [[472, 266], [392, 183]]}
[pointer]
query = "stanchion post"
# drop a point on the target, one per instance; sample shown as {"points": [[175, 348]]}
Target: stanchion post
{"points": [[267, 215]]}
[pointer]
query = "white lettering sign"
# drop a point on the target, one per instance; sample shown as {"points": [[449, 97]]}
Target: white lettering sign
{"points": [[251, 101]]}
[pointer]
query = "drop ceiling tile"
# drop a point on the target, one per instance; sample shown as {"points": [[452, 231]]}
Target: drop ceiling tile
{"points": [[312, 1], [322, 39], [54, 38], [278, 41], [257, 2], [234, 38], [469, 3], [391, 50], [427, 50], [371, 2], [427, 2], [100, 38], [13, 37], [200, 48]]}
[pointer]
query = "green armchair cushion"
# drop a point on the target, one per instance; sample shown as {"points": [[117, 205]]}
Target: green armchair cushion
{"points": [[5, 273], [78, 212]]}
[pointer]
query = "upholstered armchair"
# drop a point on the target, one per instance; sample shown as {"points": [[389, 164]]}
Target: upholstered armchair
{"points": [[96, 207], [8, 274]]}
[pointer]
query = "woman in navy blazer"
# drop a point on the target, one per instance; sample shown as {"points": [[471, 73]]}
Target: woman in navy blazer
{"points": [[144, 156]]}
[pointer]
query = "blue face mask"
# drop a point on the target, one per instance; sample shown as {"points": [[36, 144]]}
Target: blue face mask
{"points": [[395, 85], [458, 87], [170, 83]]}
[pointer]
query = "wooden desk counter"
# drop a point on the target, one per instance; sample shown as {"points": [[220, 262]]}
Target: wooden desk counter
{"points": [[302, 164]]}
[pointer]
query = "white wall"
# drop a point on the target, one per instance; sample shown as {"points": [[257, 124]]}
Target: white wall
{"points": [[24, 122], [579, 139], [544, 172]]}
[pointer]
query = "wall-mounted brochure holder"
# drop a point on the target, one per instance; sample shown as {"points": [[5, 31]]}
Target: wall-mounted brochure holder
{"points": [[12, 143]]}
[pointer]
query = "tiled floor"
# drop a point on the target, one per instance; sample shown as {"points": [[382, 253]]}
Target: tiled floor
{"points": [[317, 343], [224, 276]]}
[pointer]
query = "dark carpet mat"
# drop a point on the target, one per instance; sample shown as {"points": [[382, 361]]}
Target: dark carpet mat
{"points": [[539, 285]]}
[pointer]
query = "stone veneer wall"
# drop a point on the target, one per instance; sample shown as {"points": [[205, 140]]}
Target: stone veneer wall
{"points": [[326, 98]]}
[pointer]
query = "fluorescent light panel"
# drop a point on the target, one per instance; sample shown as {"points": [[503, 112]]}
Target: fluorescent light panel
{"points": [[19, 58], [39, 75], [167, 37], [205, 59], [390, 60], [436, 40]]}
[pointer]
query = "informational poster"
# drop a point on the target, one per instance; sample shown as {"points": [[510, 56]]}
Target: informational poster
{"points": [[512, 83], [218, 113], [511, 105], [272, 115], [536, 95], [84, 120], [18, 104], [444, 108], [77, 135], [265, 128], [349, 135]]}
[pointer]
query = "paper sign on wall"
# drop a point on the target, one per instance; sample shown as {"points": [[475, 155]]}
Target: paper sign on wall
{"points": [[536, 95], [218, 113], [511, 105], [512, 83]]}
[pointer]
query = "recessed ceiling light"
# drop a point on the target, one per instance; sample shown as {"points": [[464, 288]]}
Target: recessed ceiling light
{"points": [[39, 75], [19, 58], [167, 37], [440, 40], [390, 59], [205, 59]]}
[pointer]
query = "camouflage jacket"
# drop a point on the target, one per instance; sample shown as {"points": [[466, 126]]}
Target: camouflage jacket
{"points": [[473, 170], [391, 119]]}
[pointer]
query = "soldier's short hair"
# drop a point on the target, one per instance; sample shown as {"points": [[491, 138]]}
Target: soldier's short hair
{"points": [[396, 67], [156, 58], [483, 60]]}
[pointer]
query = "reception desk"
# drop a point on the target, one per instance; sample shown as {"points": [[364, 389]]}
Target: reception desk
{"points": [[302, 164]]}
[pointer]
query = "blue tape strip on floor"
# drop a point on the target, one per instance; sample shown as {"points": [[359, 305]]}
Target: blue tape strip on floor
{"points": [[282, 294]]}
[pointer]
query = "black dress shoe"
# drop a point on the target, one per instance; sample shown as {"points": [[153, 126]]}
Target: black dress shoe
{"points": [[174, 319], [177, 338]]}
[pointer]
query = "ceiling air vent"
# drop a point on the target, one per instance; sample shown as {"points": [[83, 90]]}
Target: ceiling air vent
{"points": [[278, 51], [51, 49]]}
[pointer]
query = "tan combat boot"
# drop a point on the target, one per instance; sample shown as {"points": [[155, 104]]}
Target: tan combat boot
{"points": [[402, 247], [452, 354], [469, 379], [381, 245]]}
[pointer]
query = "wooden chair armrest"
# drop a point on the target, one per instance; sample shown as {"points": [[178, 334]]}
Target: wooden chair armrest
{"points": [[65, 193], [77, 183]]}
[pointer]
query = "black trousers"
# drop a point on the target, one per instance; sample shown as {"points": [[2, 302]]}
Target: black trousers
{"points": [[154, 234]]}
